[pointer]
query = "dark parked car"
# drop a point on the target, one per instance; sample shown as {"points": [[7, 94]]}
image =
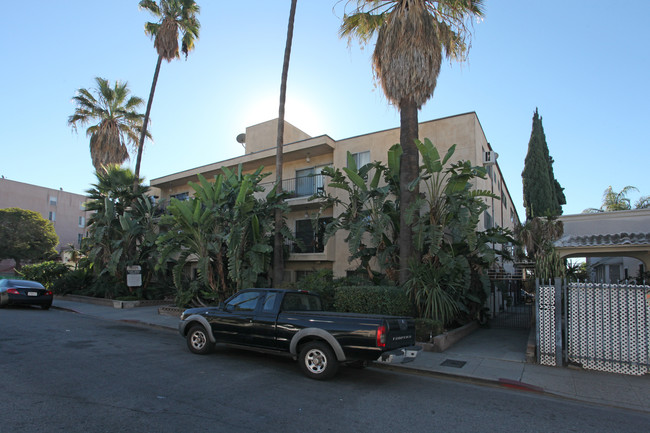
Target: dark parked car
{"points": [[23, 292]]}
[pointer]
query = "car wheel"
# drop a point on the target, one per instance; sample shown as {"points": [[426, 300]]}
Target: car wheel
{"points": [[198, 341], [317, 361]]}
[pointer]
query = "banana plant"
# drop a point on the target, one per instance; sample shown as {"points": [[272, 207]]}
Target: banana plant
{"points": [[225, 230], [370, 213]]}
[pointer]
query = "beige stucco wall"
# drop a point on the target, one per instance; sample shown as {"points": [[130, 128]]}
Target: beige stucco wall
{"points": [[68, 208], [302, 151], [265, 135]]}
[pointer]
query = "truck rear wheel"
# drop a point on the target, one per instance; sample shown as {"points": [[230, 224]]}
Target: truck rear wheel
{"points": [[317, 361], [198, 341]]}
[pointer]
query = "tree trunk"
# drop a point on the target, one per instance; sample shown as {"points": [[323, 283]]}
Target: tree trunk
{"points": [[408, 172], [278, 243], [143, 133]]}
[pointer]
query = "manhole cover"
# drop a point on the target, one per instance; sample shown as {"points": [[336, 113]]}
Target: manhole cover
{"points": [[453, 363]]}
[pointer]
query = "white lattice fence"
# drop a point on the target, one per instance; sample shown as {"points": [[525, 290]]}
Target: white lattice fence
{"points": [[546, 320], [608, 327]]}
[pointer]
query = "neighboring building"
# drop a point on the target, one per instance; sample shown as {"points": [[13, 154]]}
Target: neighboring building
{"points": [[614, 270], [616, 244], [65, 210], [305, 156]]}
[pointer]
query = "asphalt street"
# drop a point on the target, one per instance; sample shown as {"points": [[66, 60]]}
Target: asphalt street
{"points": [[68, 372]]}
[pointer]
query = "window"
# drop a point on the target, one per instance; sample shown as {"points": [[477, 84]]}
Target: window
{"points": [[246, 301], [52, 216], [489, 223], [361, 158], [301, 302], [305, 182], [269, 302], [80, 236], [319, 178], [53, 200], [300, 275], [82, 221], [182, 196], [82, 206], [307, 240]]}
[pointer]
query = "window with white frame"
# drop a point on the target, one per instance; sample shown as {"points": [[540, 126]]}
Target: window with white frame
{"points": [[53, 200], [52, 216], [361, 158], [82, 221]]}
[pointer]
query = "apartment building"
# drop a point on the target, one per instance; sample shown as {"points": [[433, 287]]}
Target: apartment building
{"points": [[305, 156], [64, 209]]}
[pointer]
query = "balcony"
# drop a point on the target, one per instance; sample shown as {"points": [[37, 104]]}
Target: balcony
{"points": [[298, 187]]}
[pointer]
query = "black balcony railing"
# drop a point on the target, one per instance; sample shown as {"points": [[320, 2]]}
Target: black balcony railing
{"points": [[305, 186]]}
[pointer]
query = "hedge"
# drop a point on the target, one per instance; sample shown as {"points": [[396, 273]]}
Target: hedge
{"points": [[386, 300]]}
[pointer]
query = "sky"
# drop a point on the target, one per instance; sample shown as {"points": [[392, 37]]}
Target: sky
{"points": [[583, 64]]}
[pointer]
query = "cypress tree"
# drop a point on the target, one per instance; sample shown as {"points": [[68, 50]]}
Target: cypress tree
{"points": [[543, 194]]}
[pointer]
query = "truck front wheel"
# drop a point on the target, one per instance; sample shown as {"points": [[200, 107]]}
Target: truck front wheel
{"points": [[317, 361], [198, 341]]}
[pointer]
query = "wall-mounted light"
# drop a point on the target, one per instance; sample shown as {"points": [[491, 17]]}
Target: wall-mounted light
{"points": [[308, 158]]}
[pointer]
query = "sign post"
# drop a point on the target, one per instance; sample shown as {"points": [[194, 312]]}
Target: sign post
{"points": [[134, 276]]}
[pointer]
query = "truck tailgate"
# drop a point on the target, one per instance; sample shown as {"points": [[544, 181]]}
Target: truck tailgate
{"points": [[400, 332]]}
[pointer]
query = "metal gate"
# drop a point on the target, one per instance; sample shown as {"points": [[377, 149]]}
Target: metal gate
{"points": [[606, 326], [510, 305]]}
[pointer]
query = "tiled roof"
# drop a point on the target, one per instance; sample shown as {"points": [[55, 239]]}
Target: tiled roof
{"points": [[611, 239]]}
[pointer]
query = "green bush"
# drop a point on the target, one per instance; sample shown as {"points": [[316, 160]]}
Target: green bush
{"points": [[426, 329], [45, 273], [386, 300], [75, 282], [323, 283]]}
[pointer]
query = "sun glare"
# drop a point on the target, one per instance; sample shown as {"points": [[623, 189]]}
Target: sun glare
{"points": [[303, 115]]}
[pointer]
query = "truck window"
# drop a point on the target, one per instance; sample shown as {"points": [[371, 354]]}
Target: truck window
{"points": [[246, 301], [269, 302], [301, 302]]}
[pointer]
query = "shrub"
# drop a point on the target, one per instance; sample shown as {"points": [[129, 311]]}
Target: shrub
{"points": [[323, 283], [45, 273], [77, 282], [386, 300], [426, 329]]}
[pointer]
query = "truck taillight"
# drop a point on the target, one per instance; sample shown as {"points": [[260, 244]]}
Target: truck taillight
{"points": [[381, 336]]}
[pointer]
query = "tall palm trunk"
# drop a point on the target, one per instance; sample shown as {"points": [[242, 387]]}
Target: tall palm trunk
{"points": [[408, 172], [143, 133], [278, 244]]}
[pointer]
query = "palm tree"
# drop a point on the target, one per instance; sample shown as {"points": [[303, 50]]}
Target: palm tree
{"points": [[118, 122], [278, 259], [174, 16], [643, 202], [412, 36], [613, 201]]}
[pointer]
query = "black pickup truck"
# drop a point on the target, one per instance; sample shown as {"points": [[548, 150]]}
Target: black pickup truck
{"points": [[292, 322]]}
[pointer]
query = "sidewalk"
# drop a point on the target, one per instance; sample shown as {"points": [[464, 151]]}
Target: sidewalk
{"points": [[493, 356]]}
